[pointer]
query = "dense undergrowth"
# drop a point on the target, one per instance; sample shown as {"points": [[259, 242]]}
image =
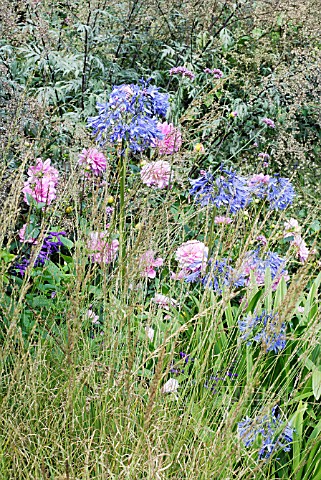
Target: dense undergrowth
{"points": [[160, 264]]}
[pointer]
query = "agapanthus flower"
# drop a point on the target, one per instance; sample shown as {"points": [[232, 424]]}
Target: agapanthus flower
{"points": [[42, 181], [164, 301], [148, 263], [268, 122], [156, 174], [130, 115], [171, 141], [216, 72], [280, 193], [93, 160], [265, 329], [183, 71], [258, 263], [219, 275], [227, 190], [271, 430], [101, 250]]}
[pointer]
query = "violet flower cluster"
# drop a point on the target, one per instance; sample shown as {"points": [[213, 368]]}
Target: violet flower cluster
{"points": [[228, 190], [183, 71], [234, 192], [51, 245], [265, 329], [131, 115], [271, 431], [216, 72]]}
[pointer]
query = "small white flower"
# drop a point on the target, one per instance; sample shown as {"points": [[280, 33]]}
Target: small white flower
{"points": [[170, 386], [150, 332]]}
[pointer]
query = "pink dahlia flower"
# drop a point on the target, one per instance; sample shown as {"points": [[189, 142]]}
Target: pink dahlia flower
{"points": [[147, 264], [42, 181], [93, 160], [156, 174], [222, 220], [172, 140], [101, 250], [190, 253]]}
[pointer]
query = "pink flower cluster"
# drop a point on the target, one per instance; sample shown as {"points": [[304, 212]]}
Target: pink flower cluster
{"points": [[156, 174], [258, 178], [292, 229], [100, 250], [93, 160], [42, 182], [147, 264], [164, 301], [216, 72], [191, 256], [182, 71], [268, 122], [172, 140]]}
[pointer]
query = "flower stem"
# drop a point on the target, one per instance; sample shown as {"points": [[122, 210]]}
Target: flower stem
{"points": [[122, 224]]}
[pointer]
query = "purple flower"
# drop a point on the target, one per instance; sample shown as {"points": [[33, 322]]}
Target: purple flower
{"points": [[264, 156], [280, 193], [264, 428], [216, 72], [51, 244], [182, 71], [228, 190], [268, 122], [131, 115], [265, 329]]}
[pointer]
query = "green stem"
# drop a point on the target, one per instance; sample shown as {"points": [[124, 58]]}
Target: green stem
{"points": [[122, 215]]}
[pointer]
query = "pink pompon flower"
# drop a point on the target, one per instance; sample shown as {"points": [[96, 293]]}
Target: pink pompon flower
{"points": [[258, 179], [100, 250], [191, 253], [22, 236], [268, 122], [156, 174], [42, 181], [293, 229], [164, 301], [172, 140], [93, 160], [221, 220], [150, 332], [147, 264]]}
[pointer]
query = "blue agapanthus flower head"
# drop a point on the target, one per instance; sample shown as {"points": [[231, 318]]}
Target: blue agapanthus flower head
{"points": [[228, 190], [271, 431], [265, 329], [280, 193], [130, 114]]}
